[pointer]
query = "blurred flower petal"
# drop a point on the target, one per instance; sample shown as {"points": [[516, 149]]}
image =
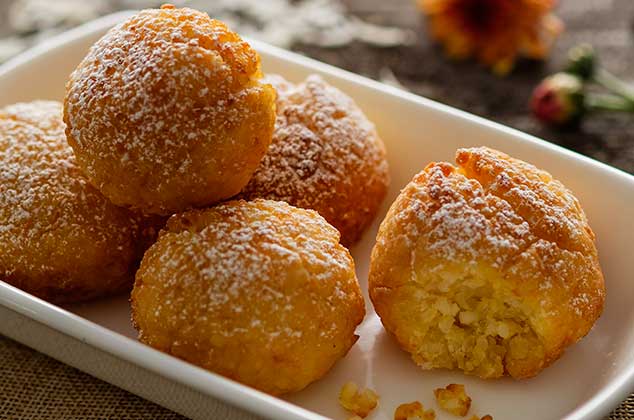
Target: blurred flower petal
{"points": [[495, 32]]}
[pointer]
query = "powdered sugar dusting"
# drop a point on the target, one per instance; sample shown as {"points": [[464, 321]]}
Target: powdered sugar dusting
{"points": [[325, 155], [262, 263], [509, 215], [163, 98], [51, 220], [463, 221]]}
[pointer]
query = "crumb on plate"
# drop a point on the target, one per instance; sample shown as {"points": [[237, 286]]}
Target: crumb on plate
{"points": [[453, 399], [359, 402], [413, 410]]}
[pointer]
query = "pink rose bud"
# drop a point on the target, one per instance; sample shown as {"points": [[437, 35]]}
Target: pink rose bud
{"points": [[559, 100]]}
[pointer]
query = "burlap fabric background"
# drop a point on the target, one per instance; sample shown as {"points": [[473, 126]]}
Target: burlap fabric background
{"points": [[33, 386]]}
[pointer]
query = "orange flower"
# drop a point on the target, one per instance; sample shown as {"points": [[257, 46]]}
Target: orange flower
{"points": [[493, 31]]}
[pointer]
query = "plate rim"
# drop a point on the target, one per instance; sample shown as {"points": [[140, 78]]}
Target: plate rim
{"points": [[215, 385]]}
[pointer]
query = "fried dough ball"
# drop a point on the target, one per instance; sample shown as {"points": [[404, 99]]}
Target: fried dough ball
{"points": [[489, 267], [325, 156], [60, 239], [260, 292], [167, 112]]}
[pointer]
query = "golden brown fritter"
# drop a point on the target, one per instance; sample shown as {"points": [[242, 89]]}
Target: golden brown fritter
{"points": [[260, 292], [325, 156], [489, 267], [60, 239], [167, 112]]}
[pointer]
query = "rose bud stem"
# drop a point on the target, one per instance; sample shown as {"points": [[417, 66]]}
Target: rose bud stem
{"points": [[614, 84], [584, 63], [608, 103]]}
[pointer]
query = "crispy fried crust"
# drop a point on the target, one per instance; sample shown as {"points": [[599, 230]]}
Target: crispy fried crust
{"points": [[60, 239], [166, 112], [260, 292], [493, 247], [325, 156]]}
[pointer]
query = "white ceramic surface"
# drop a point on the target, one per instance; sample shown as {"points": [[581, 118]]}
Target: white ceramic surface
{"points": [[586, 383]]}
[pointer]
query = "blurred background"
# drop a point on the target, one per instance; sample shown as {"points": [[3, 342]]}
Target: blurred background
{"points": [[390, 41]]}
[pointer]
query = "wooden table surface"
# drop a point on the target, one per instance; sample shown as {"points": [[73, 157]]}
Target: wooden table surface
{"points": [[422, 68]]}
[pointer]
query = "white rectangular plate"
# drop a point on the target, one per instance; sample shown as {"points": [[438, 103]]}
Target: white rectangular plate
{"points": [[586, 383]]}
